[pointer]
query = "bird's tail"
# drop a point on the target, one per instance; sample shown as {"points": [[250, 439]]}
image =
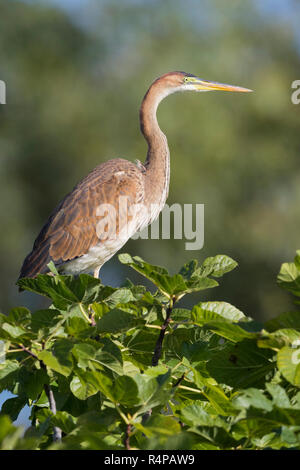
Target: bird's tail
{"points": [[36, 262]]}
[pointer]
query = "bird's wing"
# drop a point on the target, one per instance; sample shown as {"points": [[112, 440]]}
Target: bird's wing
{"points": [[76, 225]]}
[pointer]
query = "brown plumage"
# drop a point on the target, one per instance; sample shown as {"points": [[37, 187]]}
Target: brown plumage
{"points": [[71, 237]]}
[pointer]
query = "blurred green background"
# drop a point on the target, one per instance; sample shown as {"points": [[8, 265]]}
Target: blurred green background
{"points": [[76, 72]]}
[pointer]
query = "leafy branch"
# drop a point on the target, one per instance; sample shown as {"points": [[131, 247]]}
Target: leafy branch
{"points": [[99, 370]]}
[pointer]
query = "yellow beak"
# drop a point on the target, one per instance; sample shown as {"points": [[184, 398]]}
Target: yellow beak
{"points": [[205, 85]]}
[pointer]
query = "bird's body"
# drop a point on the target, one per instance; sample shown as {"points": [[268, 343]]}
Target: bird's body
{"points": [[116, 199]]}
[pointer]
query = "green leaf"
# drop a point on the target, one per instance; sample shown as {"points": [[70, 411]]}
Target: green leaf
{"points": [[288, 361], [289, 277], [67, 290], [297, 259], [188, 269], [83, 353], [109, 360], [9, 434], [220, 320], [252, 397], [120, 296], [240, 365], [181, 314], [279, 338], [125, 391], [160, 425], [196, 415], [96, 421], [52, 268], [116, 321], [65, 421], [141, 346], [216, 266], [220, 309], [285, 320], [53, 363], [19, 316], [9, 371], [46, 318], [13, 331], [78, 327], [86, 383], [169, 285], [153, 391], [279, 395], [13, 406], [33, 381], [180, 441]]}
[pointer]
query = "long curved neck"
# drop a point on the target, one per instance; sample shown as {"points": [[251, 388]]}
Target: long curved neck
{"points": [[158, 156]]}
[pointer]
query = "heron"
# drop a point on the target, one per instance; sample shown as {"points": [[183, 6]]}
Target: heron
{"points": [[90, 224]]}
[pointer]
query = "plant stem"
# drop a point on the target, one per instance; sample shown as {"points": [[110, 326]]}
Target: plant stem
{"points": [[28, 351], [127, 437], [178, 382], [159, 343], [57, 433]]}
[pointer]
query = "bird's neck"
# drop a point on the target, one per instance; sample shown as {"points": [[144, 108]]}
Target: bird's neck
{"points": [[158, 156]]}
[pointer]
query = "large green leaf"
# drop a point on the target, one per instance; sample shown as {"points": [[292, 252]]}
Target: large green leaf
{"points": [[222, 318], [152, 391], [67, 290], [196, 415], [13, 406], [289, 277], [141, 345], [288, 361], [169, 285], [252, 397], [54, 363], [32, 382], [215, 266], [217, 309], [12, 331], [9, 434], [104, 353], [241, 365], [65, 421], [160, 425], [279, 395], [125, 391], [116, 321], [9, 371], [285, 320], [85, 384], [19, 316], [279, 338]]}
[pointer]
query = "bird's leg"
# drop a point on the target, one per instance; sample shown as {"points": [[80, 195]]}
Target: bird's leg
{"points": [[96, 272]]}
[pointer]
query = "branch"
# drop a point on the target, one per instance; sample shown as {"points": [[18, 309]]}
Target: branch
{"points": [[57, 433], [127, 437], [178, 382], [158, 349], [159, 343], [28, 351]]}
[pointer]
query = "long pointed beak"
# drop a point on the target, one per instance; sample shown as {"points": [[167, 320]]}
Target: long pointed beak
{"points": [[205, 85]]}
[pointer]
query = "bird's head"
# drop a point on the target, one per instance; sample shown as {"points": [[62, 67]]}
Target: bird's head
{"points": [[182, 81]]}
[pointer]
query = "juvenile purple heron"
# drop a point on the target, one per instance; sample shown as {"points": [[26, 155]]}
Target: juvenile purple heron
{"points": [[90, 225]]}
